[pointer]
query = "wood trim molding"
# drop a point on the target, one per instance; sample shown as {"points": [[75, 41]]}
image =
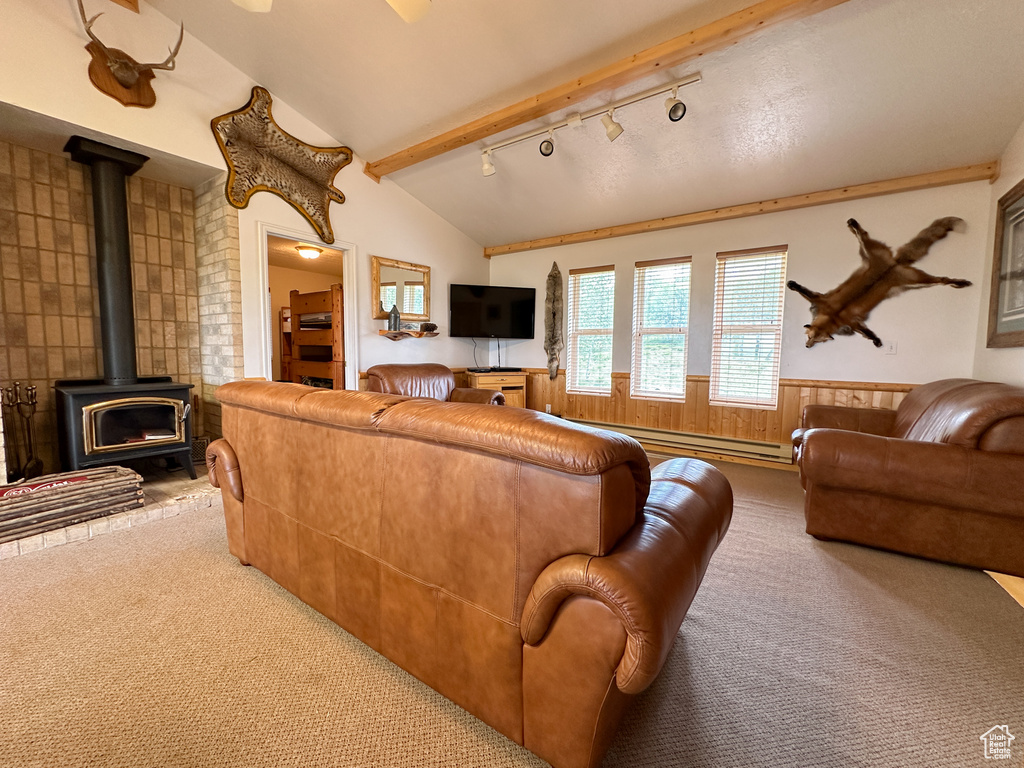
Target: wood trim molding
{"points": [[715, 36], [663, 262], [753, 251], [981, 172], [590, 270]]}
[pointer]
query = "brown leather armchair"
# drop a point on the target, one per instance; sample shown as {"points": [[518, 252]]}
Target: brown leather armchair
{"points": [[426, 380], [940, 477]]}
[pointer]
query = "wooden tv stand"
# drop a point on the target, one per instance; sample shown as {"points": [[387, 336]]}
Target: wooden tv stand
{"points": [[512, 385]]}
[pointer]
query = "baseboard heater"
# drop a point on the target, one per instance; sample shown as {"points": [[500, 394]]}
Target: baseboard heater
{"points": [[705, 444]]}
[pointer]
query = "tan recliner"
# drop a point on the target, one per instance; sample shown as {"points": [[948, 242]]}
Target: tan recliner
{"points": [[431, 380], [940, 477]]}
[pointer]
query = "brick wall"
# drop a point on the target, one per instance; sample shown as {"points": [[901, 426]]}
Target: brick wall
{"points": [[220, 295], [49, 317]]}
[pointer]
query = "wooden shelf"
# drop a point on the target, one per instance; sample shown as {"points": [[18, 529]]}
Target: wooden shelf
{"points": [[396, 335]]}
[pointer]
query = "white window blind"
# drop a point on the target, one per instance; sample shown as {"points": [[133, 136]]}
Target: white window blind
{"points": [[412, 300], [747, 332], [588, 360], [661, 311], [388, 296]]}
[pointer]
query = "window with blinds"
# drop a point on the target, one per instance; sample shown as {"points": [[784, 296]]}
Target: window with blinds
{"points": [[412, 298], [661, 312], [388, 296], [591, 309], [747, 331]]}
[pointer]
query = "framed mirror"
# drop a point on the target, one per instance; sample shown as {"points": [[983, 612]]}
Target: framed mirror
{"points": [[399, 284]]}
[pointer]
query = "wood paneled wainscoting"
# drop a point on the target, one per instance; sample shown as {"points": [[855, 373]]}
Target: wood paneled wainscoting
{"points": [[696, 428]]}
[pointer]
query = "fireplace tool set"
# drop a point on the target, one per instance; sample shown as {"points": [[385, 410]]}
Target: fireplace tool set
{"points": [[20, 405]]}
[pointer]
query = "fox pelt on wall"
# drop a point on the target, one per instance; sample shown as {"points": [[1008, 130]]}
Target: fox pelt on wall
{"points": [[844, 310]]}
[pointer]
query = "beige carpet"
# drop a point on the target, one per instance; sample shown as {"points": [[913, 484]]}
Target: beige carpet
{"points": [[153, 648]]}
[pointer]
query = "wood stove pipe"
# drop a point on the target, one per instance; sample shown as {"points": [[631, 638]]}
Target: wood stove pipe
{"points": [[110, 168]]}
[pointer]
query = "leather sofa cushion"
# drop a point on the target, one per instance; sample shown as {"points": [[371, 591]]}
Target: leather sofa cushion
{"points": [[963, 414], [414, 380], [920, 399], [343, 408], [521, 434]]}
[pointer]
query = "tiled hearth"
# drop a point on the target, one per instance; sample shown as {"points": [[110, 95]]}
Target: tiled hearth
{"points": [[166, 495]]}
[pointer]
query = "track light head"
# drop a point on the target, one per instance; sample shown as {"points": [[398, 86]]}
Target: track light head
{"points": [[612, 129], [487, 166], [674, 108], [547, 147]]}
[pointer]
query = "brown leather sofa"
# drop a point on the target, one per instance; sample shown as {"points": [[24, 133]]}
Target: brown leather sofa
{"points": [[940, 477], [426, 380], [531, 570]]}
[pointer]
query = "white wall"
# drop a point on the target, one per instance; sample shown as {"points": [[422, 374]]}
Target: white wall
{"points": [[1006, 364], [43, 68], [934, 327]]}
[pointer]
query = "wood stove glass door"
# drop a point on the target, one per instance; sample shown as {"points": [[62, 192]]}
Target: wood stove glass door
{"points": [[133, 422]]}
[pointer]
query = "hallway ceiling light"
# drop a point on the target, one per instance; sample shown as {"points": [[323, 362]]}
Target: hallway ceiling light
{"points": [[612, 129], [309, 252], [487, 165]]}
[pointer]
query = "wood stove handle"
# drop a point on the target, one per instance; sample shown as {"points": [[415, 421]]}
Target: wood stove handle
{"points": [[185, 412]]}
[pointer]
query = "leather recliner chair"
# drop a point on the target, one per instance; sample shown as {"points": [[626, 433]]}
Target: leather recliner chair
{"points": [[431, 380], [940, 477]]}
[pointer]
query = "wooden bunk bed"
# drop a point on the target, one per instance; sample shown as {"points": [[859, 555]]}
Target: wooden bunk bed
{"points": [[316, 347]]}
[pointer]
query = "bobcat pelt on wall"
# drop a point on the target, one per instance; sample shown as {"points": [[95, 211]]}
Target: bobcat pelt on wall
{"points": [[553, 343], [845, 309]]}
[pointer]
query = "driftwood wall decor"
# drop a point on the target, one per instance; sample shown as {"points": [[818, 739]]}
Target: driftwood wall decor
{"points": [[845, 309], [553, 318], [117, 74], [263, 158]]}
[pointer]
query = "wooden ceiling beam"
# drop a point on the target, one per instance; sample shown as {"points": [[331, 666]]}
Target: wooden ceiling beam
{"points": [[679, 50], [981, 172]]}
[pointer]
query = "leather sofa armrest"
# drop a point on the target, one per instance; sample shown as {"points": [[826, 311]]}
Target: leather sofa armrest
{"points": [[935, 473], [873, 421], [652, 575], [469, 395], [225, 474], [223, 468]]}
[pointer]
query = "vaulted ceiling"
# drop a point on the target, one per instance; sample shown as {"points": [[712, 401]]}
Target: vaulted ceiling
{"points": [[859, 92]]}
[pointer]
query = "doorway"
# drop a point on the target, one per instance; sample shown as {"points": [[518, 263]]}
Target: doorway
{"points": [[289, 270]]}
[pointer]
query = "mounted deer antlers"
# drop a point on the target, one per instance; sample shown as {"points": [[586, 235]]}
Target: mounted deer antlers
{"points": [[117, 74]]}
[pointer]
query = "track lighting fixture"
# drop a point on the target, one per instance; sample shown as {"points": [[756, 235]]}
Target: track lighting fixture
{"points": [[547, 147], [612, 129], [674, 107], [488, 166], [309, 252]]}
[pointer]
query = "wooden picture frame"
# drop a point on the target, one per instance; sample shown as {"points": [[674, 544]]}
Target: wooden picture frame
{"points": [[1006, 303]]}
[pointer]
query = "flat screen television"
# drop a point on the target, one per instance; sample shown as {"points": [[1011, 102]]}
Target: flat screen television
{"points": [[491, 311]]}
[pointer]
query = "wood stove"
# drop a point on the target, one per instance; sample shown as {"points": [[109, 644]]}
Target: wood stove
{"points": [[100, 424], [123, 416]]}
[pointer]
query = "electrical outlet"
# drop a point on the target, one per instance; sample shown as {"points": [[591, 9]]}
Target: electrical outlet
{"points": [[547, 408], [889, 347]]}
